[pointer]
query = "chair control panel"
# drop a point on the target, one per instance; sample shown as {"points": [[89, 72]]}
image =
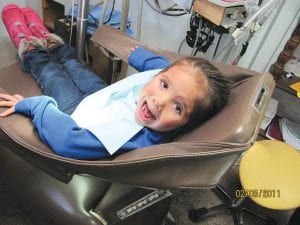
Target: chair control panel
{"points": [[143, 203]]}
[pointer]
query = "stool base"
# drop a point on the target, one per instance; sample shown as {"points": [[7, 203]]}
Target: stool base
{"points": [[234, 205]]}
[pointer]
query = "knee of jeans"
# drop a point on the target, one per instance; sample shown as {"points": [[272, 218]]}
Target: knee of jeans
{"points": [[65, 52], [25, 66]]}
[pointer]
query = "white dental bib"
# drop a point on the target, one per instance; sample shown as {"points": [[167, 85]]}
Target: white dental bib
{"points": [[110, 112]]}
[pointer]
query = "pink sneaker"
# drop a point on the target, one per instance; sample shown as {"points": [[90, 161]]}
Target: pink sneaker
{"points": [[34, 23], [15, 25]]}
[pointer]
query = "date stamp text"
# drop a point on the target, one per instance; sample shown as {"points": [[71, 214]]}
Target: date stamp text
{"points": [[257, 193]]}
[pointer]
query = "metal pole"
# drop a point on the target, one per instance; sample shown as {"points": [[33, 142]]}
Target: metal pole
{"points": [[125, 9], [139, 19], [83, 6]]}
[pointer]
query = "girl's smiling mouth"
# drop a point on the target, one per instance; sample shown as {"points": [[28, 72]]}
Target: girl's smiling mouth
{"points": [[145, 113]]}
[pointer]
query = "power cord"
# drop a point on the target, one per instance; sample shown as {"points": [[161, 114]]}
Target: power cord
{"points": [[168, 11]]}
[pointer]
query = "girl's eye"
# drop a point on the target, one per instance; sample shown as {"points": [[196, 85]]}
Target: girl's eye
{"points": [[164, 84], [178, 108]]}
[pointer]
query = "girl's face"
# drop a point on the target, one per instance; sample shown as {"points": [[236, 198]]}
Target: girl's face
{"points": [[166, 102]]}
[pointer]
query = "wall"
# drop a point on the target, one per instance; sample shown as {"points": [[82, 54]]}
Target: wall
{"points": [[161, 31], [265, 48], [168, 32], [21, 3]]}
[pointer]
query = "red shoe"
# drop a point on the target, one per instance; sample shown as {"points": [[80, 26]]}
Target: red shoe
{"points": [[34, 23], [15, 25]]}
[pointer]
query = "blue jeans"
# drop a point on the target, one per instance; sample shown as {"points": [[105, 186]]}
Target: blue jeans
{"points": [[61, 76]]}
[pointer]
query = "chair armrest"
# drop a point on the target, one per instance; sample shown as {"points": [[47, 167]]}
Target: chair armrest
{"points": [[119, 43]]}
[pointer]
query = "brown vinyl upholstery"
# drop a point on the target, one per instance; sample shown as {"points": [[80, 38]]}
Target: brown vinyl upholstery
{"points": [[199, 159]]}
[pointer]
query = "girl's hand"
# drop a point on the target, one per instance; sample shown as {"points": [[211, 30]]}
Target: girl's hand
{"points": [[9, 101], [132, 49]]}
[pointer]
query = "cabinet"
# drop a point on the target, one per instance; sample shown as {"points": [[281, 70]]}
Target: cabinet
{"points": [[277, 68], [51, 10], [289, 104]]}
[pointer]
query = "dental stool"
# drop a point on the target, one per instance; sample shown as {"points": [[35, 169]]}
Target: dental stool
{"points": [[269, 175], [131, 188]]}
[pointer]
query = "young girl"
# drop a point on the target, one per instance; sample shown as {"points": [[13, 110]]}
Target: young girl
{"points": [[86, 119]]}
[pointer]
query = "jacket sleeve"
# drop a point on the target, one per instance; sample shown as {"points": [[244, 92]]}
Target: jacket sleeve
{"points": [[143, 60], [59, 130]]}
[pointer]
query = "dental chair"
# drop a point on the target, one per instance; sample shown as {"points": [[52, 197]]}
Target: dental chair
{"points": [[132, 188]]}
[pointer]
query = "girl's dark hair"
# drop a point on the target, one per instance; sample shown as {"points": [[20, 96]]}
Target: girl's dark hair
{"points": [[214, 98]]}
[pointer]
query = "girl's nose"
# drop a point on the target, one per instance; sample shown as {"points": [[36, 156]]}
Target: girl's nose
{"points": [[160, 102]]}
